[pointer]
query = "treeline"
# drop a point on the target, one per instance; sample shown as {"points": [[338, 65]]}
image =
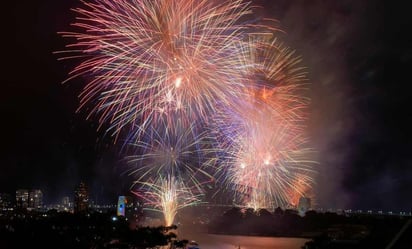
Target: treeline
{"points": [[356, 229]]}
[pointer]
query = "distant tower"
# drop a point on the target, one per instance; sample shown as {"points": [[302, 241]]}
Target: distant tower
{"points": [[22, 198], [127, 206], [131, 209], [81, 198], [35, 199], [121, 206], [67, 204], [66, 201], [304, 205]]}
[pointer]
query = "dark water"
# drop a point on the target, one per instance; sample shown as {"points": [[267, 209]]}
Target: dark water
{"points": [[209, 241]]}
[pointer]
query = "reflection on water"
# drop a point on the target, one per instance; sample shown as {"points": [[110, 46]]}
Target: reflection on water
{"points": [[209, 241]]}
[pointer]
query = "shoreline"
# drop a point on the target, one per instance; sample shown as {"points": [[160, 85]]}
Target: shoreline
{"points": [[268, 236]]}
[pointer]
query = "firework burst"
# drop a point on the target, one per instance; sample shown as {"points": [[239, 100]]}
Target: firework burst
{"points": [[178, 150], [263, 139], [267, 161], [274, 79], [162, 70], [166, 195], [147, 58], [170, 165]]}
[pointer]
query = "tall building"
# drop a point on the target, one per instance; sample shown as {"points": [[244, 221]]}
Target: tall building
{"points": [[304, 205], [66, 201], [129, 207], [66, 204], [22, 198], [121, 206], [35, 199], [81, 198]]}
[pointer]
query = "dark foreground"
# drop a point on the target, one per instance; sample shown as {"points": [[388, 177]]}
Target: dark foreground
{"points": [[249, 230], [54, 230], [326, 230]]}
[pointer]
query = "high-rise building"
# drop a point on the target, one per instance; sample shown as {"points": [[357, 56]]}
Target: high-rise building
{"points": [[129, 207], [22, 198], [35, 199], [304, 205], [66, 204], [5, 200], [66, 201], [81, 198], [121, 206]]}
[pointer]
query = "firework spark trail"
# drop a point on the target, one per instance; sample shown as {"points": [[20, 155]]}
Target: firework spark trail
{"points": [[264, 160], [263, 139], [170, 164], [275, 79], [267, 163], [167, 195], [159, 69], [149, 57], [300, 187], [176, 150]]}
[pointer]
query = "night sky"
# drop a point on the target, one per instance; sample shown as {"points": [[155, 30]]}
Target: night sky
{"points": [[360, 122]]}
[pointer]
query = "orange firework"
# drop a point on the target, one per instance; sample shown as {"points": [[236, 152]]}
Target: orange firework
{"points": [[265, 143], [166, 195], [162, 70]]}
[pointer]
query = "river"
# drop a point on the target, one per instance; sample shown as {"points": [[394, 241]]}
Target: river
{"points": [[210, 241]]}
